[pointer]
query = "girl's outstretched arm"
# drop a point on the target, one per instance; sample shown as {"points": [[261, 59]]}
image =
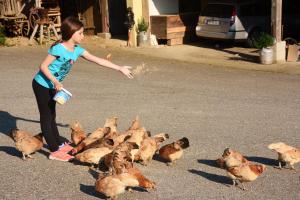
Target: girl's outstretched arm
{"points": [[103, 62]]}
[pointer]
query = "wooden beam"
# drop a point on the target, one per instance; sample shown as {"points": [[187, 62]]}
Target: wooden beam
{"points": [[276, 19], [104, 15]]}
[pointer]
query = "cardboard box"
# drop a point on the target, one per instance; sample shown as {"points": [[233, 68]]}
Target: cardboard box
{"points": [[293, 53]]}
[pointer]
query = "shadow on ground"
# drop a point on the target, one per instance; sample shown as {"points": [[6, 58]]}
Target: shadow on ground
{"points": [[263, 160], [158, 158], [211, 163], [12, 151], [90, 190], [212, 177], [8, 122], [242, 56], [225, 46]]}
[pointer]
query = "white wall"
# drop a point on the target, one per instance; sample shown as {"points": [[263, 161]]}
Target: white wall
{"points": [[160, 7]]}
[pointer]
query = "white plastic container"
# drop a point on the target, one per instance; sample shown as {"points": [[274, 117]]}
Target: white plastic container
{"points": [[266, 56], [62, 96]]}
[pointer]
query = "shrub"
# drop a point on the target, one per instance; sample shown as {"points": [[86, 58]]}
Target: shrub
{"points": [[2, 36], [264, 40], [142, 25]]}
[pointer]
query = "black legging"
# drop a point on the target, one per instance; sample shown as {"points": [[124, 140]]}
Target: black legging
{"points": [[46, 104]]}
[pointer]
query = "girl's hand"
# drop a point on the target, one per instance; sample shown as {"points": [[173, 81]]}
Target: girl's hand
{"points": [[126, 71], [58, 86]]}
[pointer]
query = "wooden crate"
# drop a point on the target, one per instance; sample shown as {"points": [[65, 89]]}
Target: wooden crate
{"points": [[176, 29]]}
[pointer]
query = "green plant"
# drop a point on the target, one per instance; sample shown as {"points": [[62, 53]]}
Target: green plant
{"points": [[264, 40], [142, 25], [2, 36]]}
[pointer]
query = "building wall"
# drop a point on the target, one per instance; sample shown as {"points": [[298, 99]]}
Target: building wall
{"points": [[159, 7]]}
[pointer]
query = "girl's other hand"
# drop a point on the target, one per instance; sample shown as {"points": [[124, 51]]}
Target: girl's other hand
{"points": [[126, 71], [58, 86]]}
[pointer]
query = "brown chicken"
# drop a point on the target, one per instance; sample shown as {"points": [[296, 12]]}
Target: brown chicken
{"points": [[286, 153], [137, 136], [111, 123], [114, 185], [26, 143], [91, 138], [143, 181], [128, 167], [231, 158], [174, 151], [135, 125], [245, 173], [17, 134], [77, 133], [119, 157], [103, 142], [93, 155], [149, 147], [120, 138]]}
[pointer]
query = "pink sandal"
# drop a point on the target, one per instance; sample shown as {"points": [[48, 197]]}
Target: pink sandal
{"points": [[65, 147], [60, 155]]}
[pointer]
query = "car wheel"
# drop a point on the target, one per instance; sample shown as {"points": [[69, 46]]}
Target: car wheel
{"points": [[253, 37]]}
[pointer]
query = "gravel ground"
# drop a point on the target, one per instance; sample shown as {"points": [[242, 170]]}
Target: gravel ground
{"points": [[215, 107]]}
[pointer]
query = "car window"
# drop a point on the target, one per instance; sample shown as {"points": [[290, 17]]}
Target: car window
{"points": [[218, 10]]}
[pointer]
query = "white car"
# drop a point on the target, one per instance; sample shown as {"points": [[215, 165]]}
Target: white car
{"points": [[234, 20]]}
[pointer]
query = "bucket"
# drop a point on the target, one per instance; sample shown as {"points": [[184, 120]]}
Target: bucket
{"points": [[62, 96], [266, 56], [142, 38]]}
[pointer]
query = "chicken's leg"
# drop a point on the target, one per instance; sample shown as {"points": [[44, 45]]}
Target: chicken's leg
{"points": [[130, 190], [279, 164], [243, 186], [234, 182], [23, 156], [292, 166], [171, 163], [113, 198]]}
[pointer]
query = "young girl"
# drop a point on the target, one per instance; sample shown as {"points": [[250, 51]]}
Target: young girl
{"points": [[53, 70]]}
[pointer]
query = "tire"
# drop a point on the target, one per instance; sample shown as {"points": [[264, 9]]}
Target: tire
{"points": [[290, 41], [253, 36]]}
